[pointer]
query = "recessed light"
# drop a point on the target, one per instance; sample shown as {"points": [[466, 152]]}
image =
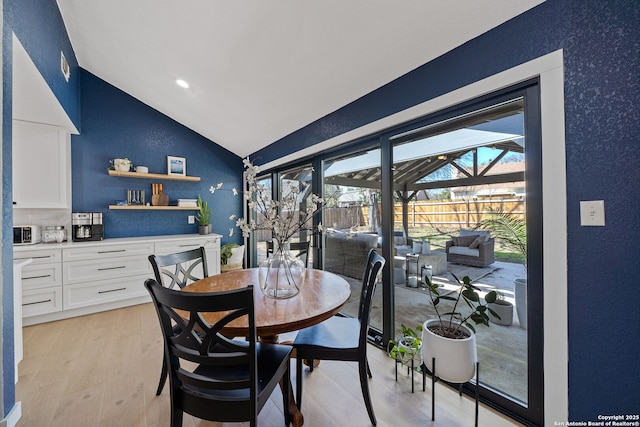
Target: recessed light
{"points": [[182, 83]]}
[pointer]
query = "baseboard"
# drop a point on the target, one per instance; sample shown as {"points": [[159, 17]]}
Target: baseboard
{"points": [[11, 420]]}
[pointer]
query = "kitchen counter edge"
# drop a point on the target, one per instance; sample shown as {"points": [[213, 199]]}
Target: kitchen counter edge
{"points": [[112, 241]]}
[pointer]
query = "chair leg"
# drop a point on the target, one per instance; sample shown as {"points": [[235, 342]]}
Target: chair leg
{"points": [[176, 417], [299, 382], [286, 393], [163, 376], [369, 370], [364, 385]]}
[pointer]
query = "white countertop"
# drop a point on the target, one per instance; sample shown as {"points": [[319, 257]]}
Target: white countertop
{"points": [[114, 241]]}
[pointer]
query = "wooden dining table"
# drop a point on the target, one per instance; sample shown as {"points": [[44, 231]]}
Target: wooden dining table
{"points": [[321, 297]]}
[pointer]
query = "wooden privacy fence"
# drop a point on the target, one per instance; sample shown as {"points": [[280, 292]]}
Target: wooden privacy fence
{"points": [[423, 213], [426, 213]]}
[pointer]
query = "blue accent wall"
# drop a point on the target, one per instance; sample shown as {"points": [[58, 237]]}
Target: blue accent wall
{"points": [[601, 42], [39, 27], [116, 125]]}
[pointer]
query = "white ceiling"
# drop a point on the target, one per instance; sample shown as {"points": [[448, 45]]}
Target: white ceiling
{"points": [[258, 69]]}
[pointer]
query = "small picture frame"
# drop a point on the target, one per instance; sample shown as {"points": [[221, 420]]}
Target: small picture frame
{"points": [[176, 165]]}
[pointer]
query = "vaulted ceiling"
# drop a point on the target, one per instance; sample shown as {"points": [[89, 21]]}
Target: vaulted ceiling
{"points": [[259, 70]]}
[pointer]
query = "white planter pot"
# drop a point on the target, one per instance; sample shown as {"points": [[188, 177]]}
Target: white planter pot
{"points": [[520, 286], [455, 358], [504, 309], [410, 353], [122, 165], [237, 255]]}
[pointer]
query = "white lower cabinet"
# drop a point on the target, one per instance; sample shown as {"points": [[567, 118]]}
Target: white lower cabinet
{"points": [[103, 291], [73, 279], [41, 281], [211, 247], [41, 301]]}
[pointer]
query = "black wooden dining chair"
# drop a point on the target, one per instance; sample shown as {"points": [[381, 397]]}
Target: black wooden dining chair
{"points": [[175, 271], [342, 338], [211, 376]]}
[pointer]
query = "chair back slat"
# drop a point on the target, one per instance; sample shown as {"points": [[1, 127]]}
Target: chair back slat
{"points": [[177, 270]]}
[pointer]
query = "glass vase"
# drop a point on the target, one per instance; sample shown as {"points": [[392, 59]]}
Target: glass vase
{"points": [[282, 274]]}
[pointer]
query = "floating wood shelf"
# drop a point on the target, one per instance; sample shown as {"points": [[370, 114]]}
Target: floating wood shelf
{"points": [[154, 176], [153, 208]]}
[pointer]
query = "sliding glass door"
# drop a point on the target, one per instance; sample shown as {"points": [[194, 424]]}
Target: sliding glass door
{"points": [[408, 191], [466, 175], [353, 217]]}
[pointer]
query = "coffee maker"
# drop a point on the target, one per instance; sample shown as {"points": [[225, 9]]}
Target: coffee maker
{"points": [[87, 226]]}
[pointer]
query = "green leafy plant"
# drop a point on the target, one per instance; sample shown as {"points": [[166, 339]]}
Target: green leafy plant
{"points": [[225, 252], [510, 229], [407, 346], [204, 215], [467, 295]]}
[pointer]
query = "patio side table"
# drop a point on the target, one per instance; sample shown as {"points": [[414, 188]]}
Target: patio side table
{"points": [[412, 270]]}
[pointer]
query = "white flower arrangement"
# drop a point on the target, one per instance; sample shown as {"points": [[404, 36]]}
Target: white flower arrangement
{"points": [[282, 217]]}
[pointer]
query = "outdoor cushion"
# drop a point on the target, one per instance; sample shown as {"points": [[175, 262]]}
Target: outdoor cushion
{"points": [[477, 241], [466, 232], [463, 240], [464, 250]]}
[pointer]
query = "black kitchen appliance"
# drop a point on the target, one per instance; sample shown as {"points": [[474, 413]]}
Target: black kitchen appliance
{"points": [[87, 226]]}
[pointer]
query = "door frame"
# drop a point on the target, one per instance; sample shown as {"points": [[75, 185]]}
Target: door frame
{"points": [[549, 69]]}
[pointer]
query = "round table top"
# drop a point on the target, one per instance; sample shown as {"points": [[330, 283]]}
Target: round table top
{"points": [[321, 297]]}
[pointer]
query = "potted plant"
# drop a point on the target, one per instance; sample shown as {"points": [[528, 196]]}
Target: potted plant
{"points": [[203, 217], [450, 338], [231, 255], [503, 310], [407, 347], [512, 231], [121, 165]]}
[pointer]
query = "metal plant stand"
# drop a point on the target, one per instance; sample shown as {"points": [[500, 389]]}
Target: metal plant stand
{"points": [[434, 379]]}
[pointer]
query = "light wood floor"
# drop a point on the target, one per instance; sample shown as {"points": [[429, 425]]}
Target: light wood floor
{"points": [[103, 369]]}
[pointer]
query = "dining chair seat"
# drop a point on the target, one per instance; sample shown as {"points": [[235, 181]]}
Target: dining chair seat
{"points": [[337, 336]]}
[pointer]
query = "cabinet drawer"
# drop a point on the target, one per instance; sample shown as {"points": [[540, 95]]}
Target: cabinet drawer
{"points": [[85, 271], [108, 251], [41, 276], [41, 301], [103, 291], [40, 256], [170, 247]]}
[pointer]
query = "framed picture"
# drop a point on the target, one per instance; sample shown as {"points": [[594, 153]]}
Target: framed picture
{"points": [[176, 165]]}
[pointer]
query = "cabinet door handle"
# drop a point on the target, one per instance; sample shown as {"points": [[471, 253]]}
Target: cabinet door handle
{"points": [[189, 246], [38, 257], [36, 277], [112, 290], [112, 268], [36, 302], [110, 252]]}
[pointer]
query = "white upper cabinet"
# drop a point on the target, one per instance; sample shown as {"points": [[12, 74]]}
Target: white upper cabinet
{"points": [[41, 166]]}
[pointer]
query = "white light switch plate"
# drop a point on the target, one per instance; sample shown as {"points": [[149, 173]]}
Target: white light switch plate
{"points": [[592, 213], [191, 219]]}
